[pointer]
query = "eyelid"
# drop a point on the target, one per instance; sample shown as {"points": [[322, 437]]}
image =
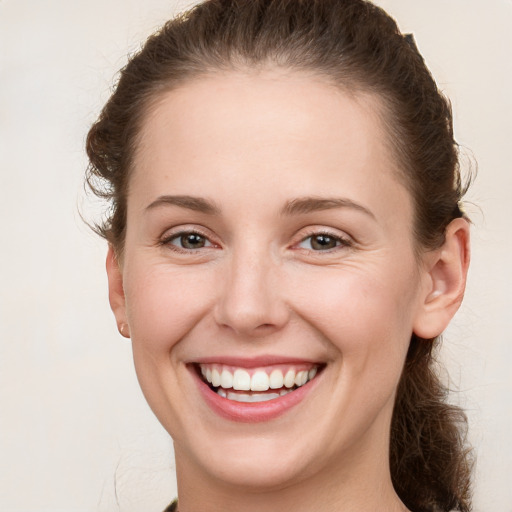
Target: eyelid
{"points": [[178, 231], [345, 240]]}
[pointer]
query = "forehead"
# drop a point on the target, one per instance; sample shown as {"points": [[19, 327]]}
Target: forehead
{"points": [[270, 103], [296, 132]]}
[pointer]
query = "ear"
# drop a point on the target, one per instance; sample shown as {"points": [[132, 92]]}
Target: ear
{"points": [[445, 281], [116, 292]]}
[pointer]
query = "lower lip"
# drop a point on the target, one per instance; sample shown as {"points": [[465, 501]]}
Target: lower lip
{"points": [[257, 411]]}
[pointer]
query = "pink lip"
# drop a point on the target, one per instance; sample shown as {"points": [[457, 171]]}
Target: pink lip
{"points": [[252, 362], [251, 412]]}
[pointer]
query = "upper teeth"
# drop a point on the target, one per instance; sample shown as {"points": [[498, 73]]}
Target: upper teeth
{"points": [[260, 380]]}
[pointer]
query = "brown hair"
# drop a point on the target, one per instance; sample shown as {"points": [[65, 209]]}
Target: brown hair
{"points": [[359, 47]]}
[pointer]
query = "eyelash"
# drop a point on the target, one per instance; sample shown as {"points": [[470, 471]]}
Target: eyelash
{"points": [[167, 241], [341, 242]]}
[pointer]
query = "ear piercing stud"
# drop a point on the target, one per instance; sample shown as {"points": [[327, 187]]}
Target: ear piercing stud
{"points": [[123, 329]]}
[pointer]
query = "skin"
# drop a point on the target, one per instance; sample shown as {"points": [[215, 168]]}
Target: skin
{"points": [[250, 144]]}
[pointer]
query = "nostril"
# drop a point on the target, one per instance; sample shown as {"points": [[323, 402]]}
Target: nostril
{"points": [[265, 326], [249, 302]]}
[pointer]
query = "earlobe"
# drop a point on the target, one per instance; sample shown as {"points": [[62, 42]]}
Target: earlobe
{"points": [[445, 281], [116, 292]]}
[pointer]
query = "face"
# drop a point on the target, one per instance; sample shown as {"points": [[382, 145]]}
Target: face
{"points": [[268, 279]]}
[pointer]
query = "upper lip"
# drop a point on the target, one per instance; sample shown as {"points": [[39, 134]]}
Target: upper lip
{"points": [[253, 362]]}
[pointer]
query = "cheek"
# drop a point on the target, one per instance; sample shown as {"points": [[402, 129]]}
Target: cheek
{"points": [[364, 312], [164, 303]]}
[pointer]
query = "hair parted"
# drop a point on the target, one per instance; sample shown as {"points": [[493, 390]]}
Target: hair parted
{"points": [[357, 46]]}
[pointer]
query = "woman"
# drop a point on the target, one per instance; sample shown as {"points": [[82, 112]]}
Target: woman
{"points": [[286, 244]]}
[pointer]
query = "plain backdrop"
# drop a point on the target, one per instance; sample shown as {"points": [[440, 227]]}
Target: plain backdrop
{"points": [[75, 432]]}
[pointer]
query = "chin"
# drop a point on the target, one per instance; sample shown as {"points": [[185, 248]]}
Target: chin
{"points": [[261, 468]]}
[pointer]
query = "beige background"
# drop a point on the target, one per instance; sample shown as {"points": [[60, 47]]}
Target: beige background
{"points": [[74, 428]]}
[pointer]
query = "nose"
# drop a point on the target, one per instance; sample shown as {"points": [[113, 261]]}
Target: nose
{"points": [[251, 300]]}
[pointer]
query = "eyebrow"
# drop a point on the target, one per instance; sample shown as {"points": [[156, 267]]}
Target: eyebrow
{"points": [[299, 206], [305, 205], [197, 204]]}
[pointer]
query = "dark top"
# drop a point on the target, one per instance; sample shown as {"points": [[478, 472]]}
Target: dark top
{"points": [[172, 507]]}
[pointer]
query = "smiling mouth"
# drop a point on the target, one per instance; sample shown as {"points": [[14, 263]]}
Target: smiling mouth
{"points": [[250, 385]]}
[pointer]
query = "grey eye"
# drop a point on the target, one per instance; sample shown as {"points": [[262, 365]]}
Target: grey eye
{"points": [[190, 241], [320, 242]]}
